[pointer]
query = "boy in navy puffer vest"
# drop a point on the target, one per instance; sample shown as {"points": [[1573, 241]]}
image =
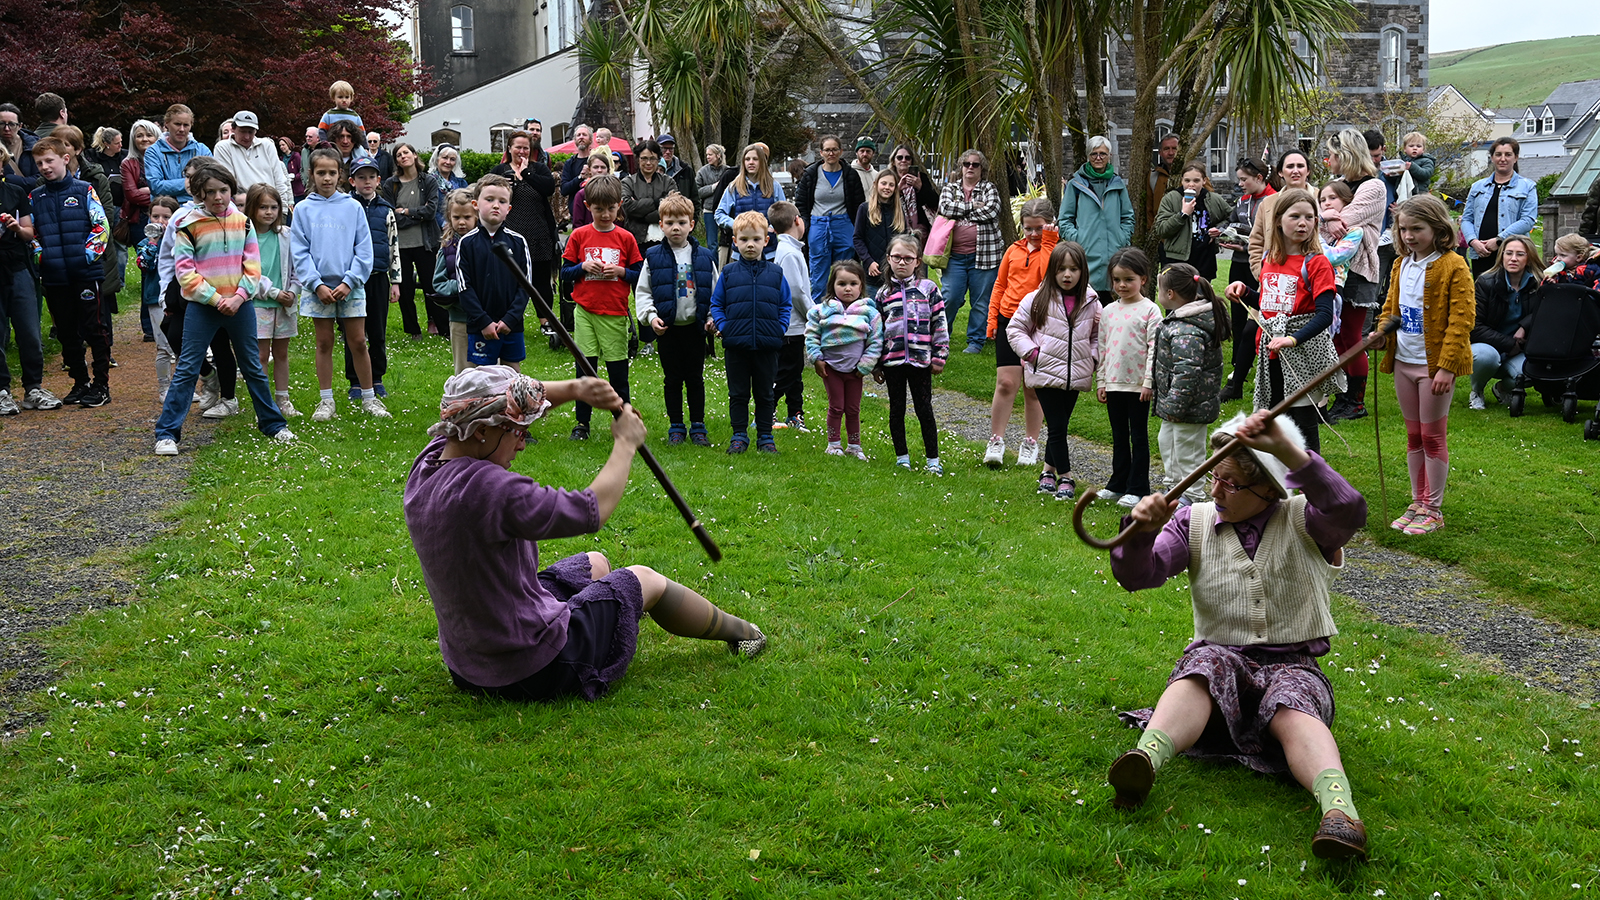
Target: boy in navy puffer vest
{"points": [[71, 228], [750, 306], [673, 304], [364, 180]]}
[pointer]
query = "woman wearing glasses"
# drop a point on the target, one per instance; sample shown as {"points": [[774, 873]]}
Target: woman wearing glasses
{"points": [[1097, 212], [828, 196], [973, 203], [918, 197], [506, 628], [1248, 688]]}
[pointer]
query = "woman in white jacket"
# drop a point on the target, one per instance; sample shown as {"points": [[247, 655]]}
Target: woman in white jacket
{"points": [[1056, 333]]}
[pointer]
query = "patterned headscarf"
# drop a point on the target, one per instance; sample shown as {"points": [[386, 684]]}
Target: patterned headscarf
{"points": [[488, 396]]}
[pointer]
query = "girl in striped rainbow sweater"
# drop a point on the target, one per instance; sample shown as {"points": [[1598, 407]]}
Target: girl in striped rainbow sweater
{"points": [[844, 338]]}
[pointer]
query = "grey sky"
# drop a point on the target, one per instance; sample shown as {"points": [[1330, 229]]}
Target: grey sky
{"points": [[1459, 24]]}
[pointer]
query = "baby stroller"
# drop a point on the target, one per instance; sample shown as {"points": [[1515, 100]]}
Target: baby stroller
{"points": [[1560, 353]]}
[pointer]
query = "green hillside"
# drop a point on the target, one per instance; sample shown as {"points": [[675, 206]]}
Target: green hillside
{"points": [[1517, 74]]}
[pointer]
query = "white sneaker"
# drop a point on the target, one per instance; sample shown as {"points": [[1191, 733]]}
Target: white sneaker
{"points": [[995, 456], [287, 408], [284, 436], [1128, 500], [39, 398], [326, 409], [222, 410], [1476, 401], [166, 447], [372, 406], [1028, 453], [210, 392], [1105, 494], [8, 406]]}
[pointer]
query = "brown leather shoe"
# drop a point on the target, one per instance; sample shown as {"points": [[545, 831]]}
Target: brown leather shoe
{"points": [[1132, 775], [1340, 837]]}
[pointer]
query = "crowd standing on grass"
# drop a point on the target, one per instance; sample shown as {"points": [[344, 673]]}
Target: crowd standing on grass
{"points": [[237, 242]]}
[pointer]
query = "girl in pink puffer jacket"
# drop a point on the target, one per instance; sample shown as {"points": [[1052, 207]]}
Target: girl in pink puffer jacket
{"points": [[1056, 333]]}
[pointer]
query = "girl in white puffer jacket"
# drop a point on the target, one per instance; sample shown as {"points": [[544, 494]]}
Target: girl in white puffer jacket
{"points": [[1056, 333]]}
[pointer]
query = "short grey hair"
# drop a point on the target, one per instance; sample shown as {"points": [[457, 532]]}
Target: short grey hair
{"points": [[1096, 143], [983, 161]]}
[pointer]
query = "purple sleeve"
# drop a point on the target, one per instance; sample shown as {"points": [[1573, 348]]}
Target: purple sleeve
{"points": [[536, 512], [1335, 510], [1148, 559]]}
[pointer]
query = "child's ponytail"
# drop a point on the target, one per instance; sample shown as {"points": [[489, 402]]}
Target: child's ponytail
{"points": [[1188, 285]]}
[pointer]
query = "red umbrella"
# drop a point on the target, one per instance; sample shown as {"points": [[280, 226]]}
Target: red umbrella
{"points": [[615, 146]]}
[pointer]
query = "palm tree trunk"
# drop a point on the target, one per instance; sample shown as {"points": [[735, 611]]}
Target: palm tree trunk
{"points": [[975, 40], [749, 94], [1047, 131]]}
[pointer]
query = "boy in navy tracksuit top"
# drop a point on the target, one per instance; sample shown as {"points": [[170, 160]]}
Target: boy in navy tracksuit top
{"points": [[489, 295], [674, 305], [71, 227], [750, 306], [364, 179]]}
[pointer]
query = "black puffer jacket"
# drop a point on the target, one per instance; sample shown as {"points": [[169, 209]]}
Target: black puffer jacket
{"points": [[1494, 300], [805, 196]]}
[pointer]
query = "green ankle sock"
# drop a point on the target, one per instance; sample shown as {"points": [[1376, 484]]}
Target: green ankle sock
{"points": [[1156, 745], [1333, 792]]}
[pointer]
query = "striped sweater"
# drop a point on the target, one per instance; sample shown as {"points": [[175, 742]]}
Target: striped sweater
{"points": [[215, 257], [845, 337]]}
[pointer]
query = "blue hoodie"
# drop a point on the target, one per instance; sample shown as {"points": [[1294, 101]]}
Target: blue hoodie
{"points": [[163, 167], [330, 240]]}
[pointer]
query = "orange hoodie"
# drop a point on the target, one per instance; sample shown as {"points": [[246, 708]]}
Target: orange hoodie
{"points": [[1021, 273]]}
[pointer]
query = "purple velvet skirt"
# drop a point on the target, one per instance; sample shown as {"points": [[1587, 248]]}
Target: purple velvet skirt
{"points": [[1247, 687], [602, 634]]}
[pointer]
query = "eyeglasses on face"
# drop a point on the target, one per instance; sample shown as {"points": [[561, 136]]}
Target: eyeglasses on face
{"points": [[900, 257], [1229, 487], [972, 164]]}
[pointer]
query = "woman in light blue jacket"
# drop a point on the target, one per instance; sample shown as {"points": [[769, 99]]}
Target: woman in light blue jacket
{"points": [[1097, 212], [1499, 206]]}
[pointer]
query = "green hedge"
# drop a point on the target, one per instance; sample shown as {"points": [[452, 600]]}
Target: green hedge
{"points": [[479, 164], [1546, 185]]}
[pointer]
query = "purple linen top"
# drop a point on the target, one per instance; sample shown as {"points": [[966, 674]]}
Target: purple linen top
{"points": [[475, 526], [1335, 511]]}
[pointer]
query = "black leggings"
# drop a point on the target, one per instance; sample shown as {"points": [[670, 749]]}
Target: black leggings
{"points": [[1244, 329], [683, 361], [1057, 404], [416, 270], [920, 381], [791, 370], [1308, 418], [1130, 443], [616, 373]]}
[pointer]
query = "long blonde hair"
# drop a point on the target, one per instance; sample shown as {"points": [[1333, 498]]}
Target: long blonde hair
{"points": [[763, 174], [1278, 248], [875, 205], [1355, 160]]}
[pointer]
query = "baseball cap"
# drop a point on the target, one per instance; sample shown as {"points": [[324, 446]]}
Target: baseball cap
{"points": [[244, 118], [666, 139], [363, 161]]}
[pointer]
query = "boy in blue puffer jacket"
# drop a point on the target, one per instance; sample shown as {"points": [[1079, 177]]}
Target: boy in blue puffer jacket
{"points": [[673, 303], [71, 230], [750, 307]]}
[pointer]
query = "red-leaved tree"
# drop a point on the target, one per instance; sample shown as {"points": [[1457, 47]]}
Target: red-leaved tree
{"points": [[115, 62]]}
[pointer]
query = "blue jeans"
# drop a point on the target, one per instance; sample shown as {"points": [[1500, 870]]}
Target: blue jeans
{"points": [[19, 310], [832, 239], [959, 279], [1489, 363], [200, 324], [711, 230]]}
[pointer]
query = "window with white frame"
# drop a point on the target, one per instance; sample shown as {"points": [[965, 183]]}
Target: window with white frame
{"points": [[461, 29], [1391, 58], [1217, 151], [1530, 125], [1549, 122], [1108, 59], [1309, 58]]}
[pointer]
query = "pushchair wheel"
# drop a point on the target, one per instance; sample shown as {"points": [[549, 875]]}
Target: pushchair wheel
{"points": [[1515, 403], [1591, 430], [1569, 408]]}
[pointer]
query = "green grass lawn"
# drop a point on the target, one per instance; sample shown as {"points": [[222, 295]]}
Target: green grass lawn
{"points": [[1517, 74], [933, 718]]}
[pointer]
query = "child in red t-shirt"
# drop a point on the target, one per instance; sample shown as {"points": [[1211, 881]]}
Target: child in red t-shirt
{"points": [[1296, 303], [602, 263]]}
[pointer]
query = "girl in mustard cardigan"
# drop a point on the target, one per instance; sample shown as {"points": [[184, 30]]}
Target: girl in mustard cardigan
{"points": [[1431, 290]]}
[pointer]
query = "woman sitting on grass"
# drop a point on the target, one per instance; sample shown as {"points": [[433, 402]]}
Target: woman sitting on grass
{"points": [[1248, 688], [506, 628]]}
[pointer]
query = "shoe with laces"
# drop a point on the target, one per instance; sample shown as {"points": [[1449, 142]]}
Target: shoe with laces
{"points": [[166, 447], [1065, 489], [75, 396], [797, 422], [39, 398], [834, 449], [374, 407], [935, 467], [580, 432], [1028, 452], [326, 409], [224, 409], [284, 436], [96, 395], [994, 456], [210, 391], [1475, 401], [8, 406], [1047, 482], [749, 648], [286, 407]]}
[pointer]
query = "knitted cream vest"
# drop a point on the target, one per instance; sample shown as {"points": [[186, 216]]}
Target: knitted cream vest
{"points": [[1280, 597]]}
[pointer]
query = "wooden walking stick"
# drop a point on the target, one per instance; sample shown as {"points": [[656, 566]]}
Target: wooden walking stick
{"points": [[586, 368], [1384, 329], [1377, 444]]}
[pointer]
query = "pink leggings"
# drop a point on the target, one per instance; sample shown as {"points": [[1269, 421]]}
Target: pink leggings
{"points": [[844, 402], [1426, 415]]}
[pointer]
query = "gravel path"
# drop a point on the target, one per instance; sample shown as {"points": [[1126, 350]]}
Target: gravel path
{"points": [[81, 489], [1393, 587]]}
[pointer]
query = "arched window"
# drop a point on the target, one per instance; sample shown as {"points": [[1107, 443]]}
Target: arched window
{"points": [[1392, 58], [461, 29]]}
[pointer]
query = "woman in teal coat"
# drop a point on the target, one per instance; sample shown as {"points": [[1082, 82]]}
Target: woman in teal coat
{"points": [[1097, 212]]}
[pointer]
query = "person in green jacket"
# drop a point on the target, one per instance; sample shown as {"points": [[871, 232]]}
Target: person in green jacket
{"points": [[1188, 220], [1097, 212]]}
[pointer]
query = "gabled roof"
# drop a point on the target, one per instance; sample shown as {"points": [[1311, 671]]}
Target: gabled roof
{"points": [[1584, 168], [1577, 93], [1437, 92]]}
